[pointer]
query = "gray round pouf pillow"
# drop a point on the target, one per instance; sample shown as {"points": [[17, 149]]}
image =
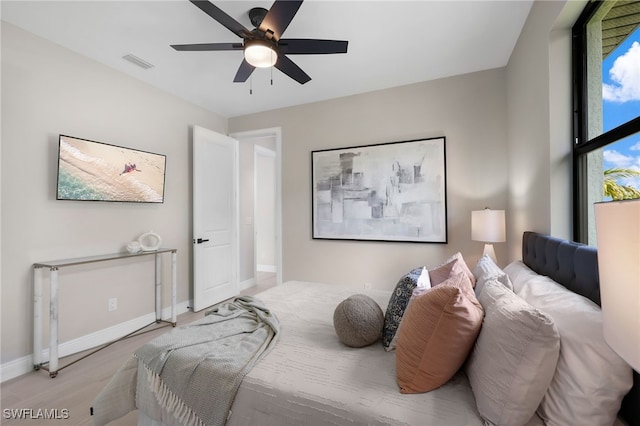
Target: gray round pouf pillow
{"points": [[358, 321]]}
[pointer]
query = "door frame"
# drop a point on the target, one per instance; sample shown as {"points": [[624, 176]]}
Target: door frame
{"points": [[259, 151], [276, 133]]}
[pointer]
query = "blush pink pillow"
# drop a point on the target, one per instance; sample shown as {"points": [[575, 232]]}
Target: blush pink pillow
{"points": [[450, 267], [438, 331]]}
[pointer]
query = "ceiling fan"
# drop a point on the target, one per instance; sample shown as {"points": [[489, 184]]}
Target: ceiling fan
{"points": [[264, 46]]}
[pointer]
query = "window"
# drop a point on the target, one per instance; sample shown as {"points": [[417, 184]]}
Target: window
{"points": [[606, 79]]}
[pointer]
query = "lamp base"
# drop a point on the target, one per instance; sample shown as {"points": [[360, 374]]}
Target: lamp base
{"points": [[489, 251]]}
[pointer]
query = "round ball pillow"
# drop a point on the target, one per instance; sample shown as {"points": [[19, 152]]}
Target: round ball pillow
{"points": [[358, 321]]}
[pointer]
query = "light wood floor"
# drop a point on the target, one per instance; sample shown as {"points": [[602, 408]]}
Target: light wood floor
{"points": [[76, 386]]}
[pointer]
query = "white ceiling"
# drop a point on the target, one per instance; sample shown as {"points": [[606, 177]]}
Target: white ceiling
{"points": [[391, 43]]}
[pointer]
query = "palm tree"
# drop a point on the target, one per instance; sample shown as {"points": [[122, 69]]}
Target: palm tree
{"points": [[617, 191]]}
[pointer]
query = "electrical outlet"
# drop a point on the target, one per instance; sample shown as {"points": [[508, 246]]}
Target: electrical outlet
{"points": [[367, 286], [113, 304]]}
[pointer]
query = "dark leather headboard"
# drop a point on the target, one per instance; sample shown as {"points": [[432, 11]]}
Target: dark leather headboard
{"points": [[575, 266]]}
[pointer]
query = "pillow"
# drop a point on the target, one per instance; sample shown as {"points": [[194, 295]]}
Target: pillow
{"points": [[590, 379], [456, 266], [438, 333], [514, 358], [487, 270], [443, 271], [519, 273], [358, 321], [404, 290], [424, 284], [398, 303]]}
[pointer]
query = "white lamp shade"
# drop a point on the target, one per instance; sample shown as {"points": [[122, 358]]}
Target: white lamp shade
{"points": [[488, 226], [618, 233], [260, 54]]}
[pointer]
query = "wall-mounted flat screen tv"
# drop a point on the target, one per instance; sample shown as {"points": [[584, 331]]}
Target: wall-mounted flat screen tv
{"points": [[96, 171]]}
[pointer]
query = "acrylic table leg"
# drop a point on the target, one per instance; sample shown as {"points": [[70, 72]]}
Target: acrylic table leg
{"points": [[174, 279], [53, 324], [37, 318], [158, 287]]}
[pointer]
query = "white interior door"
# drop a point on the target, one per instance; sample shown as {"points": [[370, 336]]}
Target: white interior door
{"points": [[215, 218]]}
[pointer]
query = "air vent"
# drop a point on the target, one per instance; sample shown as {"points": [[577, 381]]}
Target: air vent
{"points": [[138, 61]]}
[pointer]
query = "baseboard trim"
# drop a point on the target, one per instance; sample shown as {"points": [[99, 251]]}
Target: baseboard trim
{"points": [[267, 268], [20, 366], [247, 284]]}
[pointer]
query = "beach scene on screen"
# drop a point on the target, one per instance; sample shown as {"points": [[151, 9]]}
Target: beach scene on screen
{"points": [[96, 171]]}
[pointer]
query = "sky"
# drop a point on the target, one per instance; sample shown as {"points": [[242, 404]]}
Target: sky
{"points": [[621, 103]]}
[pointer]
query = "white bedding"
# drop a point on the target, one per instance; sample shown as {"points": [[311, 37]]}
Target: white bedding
{"points": [[311, 378]]}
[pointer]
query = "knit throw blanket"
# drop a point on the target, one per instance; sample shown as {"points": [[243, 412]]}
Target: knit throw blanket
{"points": [[195, 371]]}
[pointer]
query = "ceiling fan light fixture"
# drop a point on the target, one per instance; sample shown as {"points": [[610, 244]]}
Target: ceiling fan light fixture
{"points": [[260, 53]]}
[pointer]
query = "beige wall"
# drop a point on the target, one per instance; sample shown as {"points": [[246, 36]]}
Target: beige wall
{"points": [[47, 90], [539, 124], [469, 110]]}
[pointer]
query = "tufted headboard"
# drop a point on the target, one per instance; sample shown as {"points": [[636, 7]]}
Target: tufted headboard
{"points": [[575, 266]]}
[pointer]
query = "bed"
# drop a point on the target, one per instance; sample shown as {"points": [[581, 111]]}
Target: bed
{"points": [[310, 377]]}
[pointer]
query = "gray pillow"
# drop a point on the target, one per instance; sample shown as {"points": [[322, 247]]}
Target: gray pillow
{"points": [[398, 304], [514, 358], [358, 321]]}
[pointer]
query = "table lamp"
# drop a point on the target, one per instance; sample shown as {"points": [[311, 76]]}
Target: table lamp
{"points": [[488, 226], [618, 233]]}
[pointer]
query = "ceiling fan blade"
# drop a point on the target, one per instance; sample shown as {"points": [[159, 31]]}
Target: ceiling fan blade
{"points": [[302, 46], [207, 47], [219, 15], [244, 71], [288, 67], [279, 17]]}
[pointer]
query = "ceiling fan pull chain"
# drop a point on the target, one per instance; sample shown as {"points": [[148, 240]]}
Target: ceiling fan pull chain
{"points": [[251, 85]]}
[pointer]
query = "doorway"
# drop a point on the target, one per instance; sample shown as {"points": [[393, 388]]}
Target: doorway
{"points": [[260, 208], [264, 208]]}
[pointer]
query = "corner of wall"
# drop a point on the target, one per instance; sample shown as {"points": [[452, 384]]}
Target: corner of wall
{"points": [[539, 126]]}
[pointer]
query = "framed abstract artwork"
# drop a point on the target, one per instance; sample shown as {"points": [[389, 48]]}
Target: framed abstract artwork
{"points": [[385, 192]]}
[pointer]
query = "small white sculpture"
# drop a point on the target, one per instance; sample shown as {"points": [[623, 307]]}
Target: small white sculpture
{"points": [[133, 247], [150, 241]]}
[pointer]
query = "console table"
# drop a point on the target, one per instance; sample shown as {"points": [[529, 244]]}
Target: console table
{"points": [[54, 266]]}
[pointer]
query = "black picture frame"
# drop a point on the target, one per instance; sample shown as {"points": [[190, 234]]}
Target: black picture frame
{"points": [[393, 191]]}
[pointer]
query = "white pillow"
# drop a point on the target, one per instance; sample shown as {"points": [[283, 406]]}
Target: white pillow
{"points": [[487, 270], [519, 273], [514, 358], [590, 379], [424, 282]]}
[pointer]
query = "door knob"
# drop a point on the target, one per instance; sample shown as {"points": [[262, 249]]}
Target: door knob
{"points": [[200, 240]]}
